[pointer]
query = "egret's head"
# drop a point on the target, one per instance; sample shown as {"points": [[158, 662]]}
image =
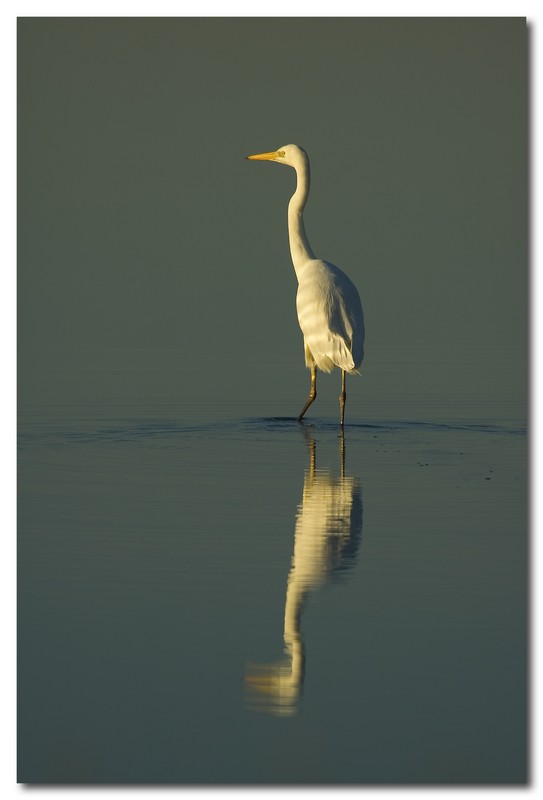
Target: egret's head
{"points": [[289, 154]]}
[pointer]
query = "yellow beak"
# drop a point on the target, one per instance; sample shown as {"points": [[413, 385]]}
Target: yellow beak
{"points": [[264, 156]]}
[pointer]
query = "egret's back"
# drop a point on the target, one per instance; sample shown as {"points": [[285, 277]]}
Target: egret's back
{"points": [[330, 316]]}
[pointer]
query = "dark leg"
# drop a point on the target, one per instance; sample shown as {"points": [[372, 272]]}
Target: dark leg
{"points": [[342, 398], [312, 391]]}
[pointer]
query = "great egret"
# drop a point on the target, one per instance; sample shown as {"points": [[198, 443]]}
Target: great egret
{"points": [[327, 301]]}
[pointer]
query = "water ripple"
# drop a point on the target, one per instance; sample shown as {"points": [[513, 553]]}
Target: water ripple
{"points": [[149, 429]]}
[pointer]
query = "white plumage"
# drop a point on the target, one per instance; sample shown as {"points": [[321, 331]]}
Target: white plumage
{"points": [[328, 304], [330, 316]]}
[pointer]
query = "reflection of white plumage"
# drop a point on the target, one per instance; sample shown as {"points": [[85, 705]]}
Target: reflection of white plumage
{"points": [[326, 537], [328, 303], [323, 528]]}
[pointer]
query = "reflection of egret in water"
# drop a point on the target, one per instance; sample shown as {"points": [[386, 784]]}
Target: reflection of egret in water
{"points": [[326, 538]]}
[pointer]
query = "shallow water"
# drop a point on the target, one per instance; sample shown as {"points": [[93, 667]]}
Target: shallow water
{"points": [[254, 600]]}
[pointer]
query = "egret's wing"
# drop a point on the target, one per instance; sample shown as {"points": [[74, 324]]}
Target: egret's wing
{"points": [[330, 316]]}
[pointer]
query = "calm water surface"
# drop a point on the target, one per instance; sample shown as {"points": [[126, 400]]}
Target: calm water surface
{"points": [[251, 600]]}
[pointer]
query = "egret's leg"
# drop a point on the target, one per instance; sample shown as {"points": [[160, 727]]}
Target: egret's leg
{"points": [[312, 391], [342, 398]]}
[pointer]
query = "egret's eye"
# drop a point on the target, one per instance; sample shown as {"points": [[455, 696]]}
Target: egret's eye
{"points": [[281, 153]]}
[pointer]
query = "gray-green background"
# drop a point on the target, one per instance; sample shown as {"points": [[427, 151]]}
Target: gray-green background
{"points": [[146, 240]]}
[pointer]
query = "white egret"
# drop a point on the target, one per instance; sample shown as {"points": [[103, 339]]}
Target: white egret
{"points": [[327, 301]]}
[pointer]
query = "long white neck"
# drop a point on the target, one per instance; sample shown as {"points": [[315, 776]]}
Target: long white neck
{"points": [[300, 249]]}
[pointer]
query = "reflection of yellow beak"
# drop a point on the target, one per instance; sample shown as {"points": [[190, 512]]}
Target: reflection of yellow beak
{"points": [[264, 156]]}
